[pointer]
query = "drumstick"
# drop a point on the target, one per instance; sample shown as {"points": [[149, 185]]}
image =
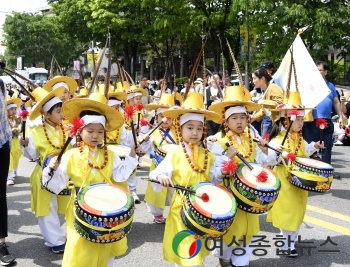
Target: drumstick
{"points": [[240, 157], [274, 149], [261, 176], [203, 196], [164, 120]]}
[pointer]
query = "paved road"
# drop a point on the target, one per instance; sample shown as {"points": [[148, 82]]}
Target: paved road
{"points": [[328, 215]]}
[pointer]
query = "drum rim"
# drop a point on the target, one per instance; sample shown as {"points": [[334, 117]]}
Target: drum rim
{"points": [[80, 202], [190, 198]]}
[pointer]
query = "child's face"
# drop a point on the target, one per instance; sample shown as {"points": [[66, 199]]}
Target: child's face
{"points": [[65, 96], [12, 111], [237, 122], [137, 100], [164, 125], [298, 124], [192, 131], [131, 102], [56, 116], [92, 134]]}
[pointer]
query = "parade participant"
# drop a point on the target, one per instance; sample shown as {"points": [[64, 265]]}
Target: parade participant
{"points": [[140, 113], [5, 139], [187, 165], [239, 134], [271, 91], [289, 209], [164, 135], [118, 139], [89, 164], [15, 123], [69, 84], [43, 142]]}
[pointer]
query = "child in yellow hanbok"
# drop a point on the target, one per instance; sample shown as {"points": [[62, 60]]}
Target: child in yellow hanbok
{"points": [[134, 98], [164, 136], [15, 123], [42, 143], [288, 212], [187, 165], [238, 134], [88, 164]]}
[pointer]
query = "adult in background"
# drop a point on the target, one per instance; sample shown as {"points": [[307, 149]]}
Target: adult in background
{"points": [[5, 139], [324, 110], [212, 94], [270, 91]]}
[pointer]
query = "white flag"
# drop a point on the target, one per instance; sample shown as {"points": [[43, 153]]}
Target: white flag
{"points": [[311, 85]]}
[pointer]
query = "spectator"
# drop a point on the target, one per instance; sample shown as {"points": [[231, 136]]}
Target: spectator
{"points": [[5, 139], [323, 110]]}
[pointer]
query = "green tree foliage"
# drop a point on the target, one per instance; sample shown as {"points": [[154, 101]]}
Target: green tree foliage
{"points": [[37, 37], [164, 31]]}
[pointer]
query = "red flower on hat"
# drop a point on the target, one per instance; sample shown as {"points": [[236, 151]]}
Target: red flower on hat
{"points": [[76, 124]]}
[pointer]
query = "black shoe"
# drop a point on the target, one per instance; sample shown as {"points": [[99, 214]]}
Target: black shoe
{"points": [[293, 253], [5, 257], [336, 176]]}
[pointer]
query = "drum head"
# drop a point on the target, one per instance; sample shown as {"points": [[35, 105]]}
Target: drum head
{"points": [[247, 177], [316, 164], [221, 202], [120, 150], [105, 199]]}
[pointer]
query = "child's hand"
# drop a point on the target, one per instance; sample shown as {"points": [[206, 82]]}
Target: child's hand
{"points": [[165, 180], [319, 145], [262, 145], [212, 138], [146, 137], [54, 163], [24, 142], [231, 152]]}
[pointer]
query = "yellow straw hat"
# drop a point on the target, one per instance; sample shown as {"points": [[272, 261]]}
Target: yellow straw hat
{"points": [[193, 104], [178, 97], [122, 87], [118, 93], [29, 103], [17, 101], [83, 92], [166, 101], [135, 89], [59, 81], [94, 102], [235, 96], [291, 102], [42, 96]]}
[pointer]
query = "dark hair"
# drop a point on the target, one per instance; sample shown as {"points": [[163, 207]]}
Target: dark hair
{"points": [[261, 72], [324, 65], [268, 65], [275, 129], [57, 105], [89, 112]]}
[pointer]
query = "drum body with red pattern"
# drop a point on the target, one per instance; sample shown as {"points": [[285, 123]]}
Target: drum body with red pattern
{"points": [[311, 175], [103, 212], [211, 218], [251, 195]]}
